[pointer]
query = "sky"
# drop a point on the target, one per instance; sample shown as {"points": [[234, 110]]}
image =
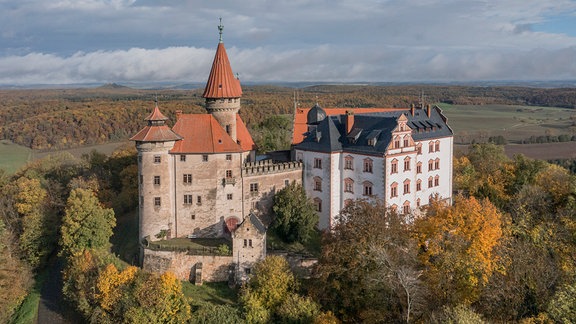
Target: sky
{"points": [[131, 41]]}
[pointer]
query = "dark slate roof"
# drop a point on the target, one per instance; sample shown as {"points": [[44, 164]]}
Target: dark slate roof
{"points": [[330, 134], [257, 223], [315, 115]]}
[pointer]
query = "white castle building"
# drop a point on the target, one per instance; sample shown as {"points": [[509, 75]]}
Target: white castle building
{"points": [[200, 178]]}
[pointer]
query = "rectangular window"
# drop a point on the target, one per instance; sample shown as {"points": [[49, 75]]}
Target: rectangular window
{"points": [[187, 199], [228, 157], [205, 158], [317, 185], [436, 182], [348, 164], [394, 167], [199, 200], [157, 159], [419, 168], [228, 173], [286, 183], [437, 164], [250, 242], [229, 196], [368, 165], [418, 185], [367, 190], [430, 183], [394, 191], [437, 147], [245, 242], [406, 142], [407, 165], [182, 158], [193, 216], [406, 188], [254, 187], [156, 180], [317, 163], [157, 202], [187, 178]]}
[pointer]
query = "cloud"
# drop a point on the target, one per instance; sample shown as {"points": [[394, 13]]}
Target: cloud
{"points": [[64, 41], [262, 64]]}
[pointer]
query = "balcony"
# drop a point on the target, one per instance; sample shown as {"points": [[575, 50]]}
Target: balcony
{"points": [[227, 181]]}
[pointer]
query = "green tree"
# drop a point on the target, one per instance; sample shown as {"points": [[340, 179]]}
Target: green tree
{"points": [[562, 307], [271, 283], [86, 224], [295, 216], [368, 270]]}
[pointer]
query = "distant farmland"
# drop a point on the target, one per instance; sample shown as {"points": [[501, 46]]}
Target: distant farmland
{"points": [[514, 123]]}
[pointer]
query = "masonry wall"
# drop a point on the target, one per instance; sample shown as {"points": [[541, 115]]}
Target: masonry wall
{"points": [[183, 265]]}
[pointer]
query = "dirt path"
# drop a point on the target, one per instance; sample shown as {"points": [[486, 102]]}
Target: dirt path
{"points": [[52, 308]]}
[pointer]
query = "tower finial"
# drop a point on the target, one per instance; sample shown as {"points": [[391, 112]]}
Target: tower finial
{"points": [[221, 29]]}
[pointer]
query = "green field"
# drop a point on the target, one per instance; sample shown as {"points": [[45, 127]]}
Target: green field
{"points": [[13, 156], [515, 123]]}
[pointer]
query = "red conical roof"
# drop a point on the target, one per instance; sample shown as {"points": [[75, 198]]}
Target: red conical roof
{"points": [[156, 115], [221, 82]]}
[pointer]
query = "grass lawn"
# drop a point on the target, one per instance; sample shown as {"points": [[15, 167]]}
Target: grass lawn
{"points": [[13, 156], [515, 123], [28, 310], [211, 292]]}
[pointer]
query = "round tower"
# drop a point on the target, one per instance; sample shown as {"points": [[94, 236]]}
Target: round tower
{"points": [[155, 176], [223, 90]]}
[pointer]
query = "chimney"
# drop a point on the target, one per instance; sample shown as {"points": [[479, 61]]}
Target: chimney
{"points": [[429, 110], [412, 108], [178, 113], [349, 121]]}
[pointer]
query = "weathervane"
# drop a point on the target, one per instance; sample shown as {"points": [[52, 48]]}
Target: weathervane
{"points": [[221, 28]]}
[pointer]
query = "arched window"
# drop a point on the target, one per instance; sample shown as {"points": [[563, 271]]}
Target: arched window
{"points": [[419, 167], [367, 188], [418, 185], [368, 165], [406, 186], [431, 147], [406, 208], [437, 146], [407, 163], [317, 184], [430, 165], [394, 190], [349, 162], [396, 142], [430, 182], [436, 181], [318, 204], [394, 166], [406, 141], [348, 185]]}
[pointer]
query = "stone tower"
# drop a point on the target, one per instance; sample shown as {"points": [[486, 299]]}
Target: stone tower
{"points": [[154, 143], [223, 91]]}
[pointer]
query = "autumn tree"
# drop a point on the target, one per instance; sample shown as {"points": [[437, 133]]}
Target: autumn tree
{"points": [[86, 224], [295, 216], [458, 248], [37, 238], [368, 269]]}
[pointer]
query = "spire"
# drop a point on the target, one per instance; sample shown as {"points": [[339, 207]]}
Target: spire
{"points": [[222, 83], [221, 29]]}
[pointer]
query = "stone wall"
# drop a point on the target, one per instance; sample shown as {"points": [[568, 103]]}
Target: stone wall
{"points": [[183, 265]]}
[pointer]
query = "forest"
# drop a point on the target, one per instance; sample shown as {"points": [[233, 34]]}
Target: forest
{"points": [[65, 118], [504, 251]]}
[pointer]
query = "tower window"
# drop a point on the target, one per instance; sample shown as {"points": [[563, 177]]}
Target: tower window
{"points": [[228, 129], [367, 188], [317, 163], [157, 202], [204, 157], [183, 158], [199, 200], [156, 180], [368, 165], [157, 159]]}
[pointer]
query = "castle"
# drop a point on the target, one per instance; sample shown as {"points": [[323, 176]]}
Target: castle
{"points": [[202, 178]]}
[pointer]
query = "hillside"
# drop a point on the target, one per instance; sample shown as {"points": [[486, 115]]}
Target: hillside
{"points": [[65, 118]]}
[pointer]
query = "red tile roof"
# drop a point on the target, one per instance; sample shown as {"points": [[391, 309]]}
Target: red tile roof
{"points": [[156, 130], [221, 82], [300, 126], [243, 135], [203, 134]]}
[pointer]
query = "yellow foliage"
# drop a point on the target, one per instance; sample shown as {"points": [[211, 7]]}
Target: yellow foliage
{"points": [[459, 245], [110, 283]]}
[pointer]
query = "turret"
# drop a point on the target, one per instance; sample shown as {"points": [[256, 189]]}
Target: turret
{"points": [[223, 91], [153, 143]]}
